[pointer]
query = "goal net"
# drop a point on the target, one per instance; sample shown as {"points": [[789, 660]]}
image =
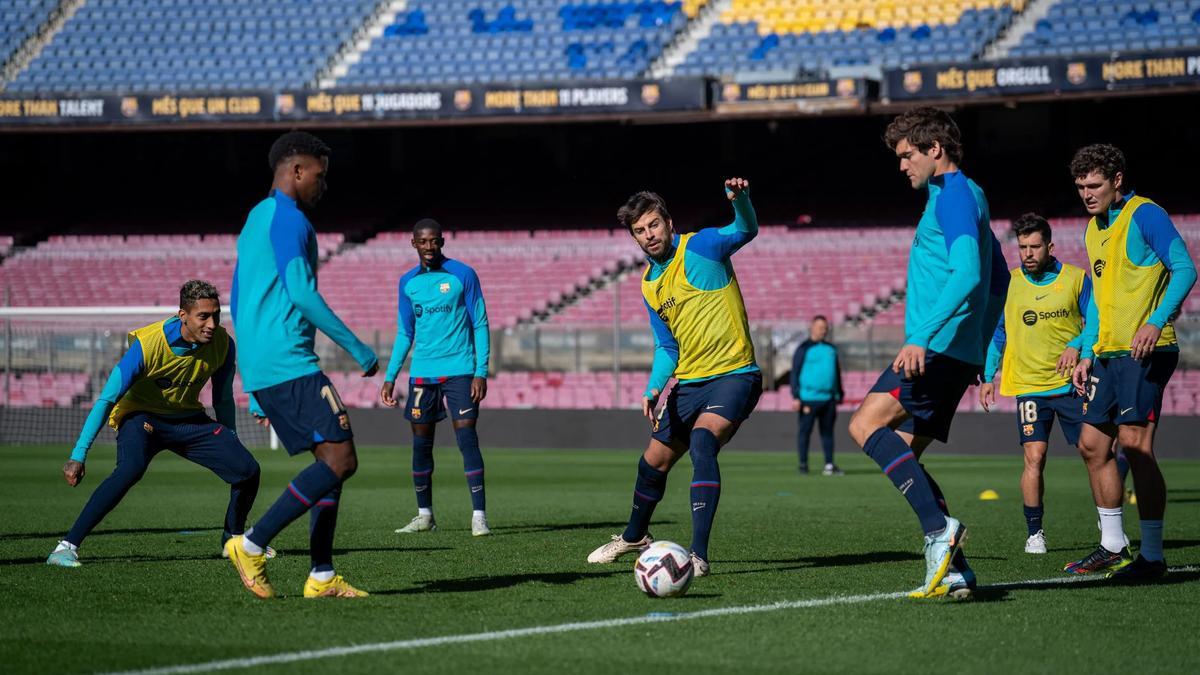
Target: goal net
{"points": [[55, 360]]}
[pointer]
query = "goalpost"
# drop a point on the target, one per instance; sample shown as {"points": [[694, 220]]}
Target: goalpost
{"points": [[55, 360]]}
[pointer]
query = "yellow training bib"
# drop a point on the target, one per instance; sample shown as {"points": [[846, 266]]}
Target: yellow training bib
{"points": [[169, 384], [710, 326], [1039, 321], [1126, 293]]}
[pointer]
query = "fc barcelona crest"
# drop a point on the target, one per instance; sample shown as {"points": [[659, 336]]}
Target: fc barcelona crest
{"points": [[1027, 429], [913, 81]]}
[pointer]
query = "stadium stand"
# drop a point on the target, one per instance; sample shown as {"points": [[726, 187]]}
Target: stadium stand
{"points": [[193, 45], [47, 390], [89, 270], [6, 245], [521, 273], [812, 36], [795, 274], [18, 20], [1089, 26], [468, 41]]}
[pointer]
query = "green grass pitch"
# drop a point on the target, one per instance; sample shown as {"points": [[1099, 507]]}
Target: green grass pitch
{"points": [[153, 591]]}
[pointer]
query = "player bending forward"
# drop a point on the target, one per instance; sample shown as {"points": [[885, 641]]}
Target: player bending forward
{"points": [[702, 337], [152, 399]]}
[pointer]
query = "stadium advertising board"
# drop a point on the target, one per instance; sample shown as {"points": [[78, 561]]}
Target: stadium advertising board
{"points": [[1044, 75], [136, 108], [841, 94], [381, 104], [498, 100]]}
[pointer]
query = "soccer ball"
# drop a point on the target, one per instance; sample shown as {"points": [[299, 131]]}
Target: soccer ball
{"points": [[664, 570]]}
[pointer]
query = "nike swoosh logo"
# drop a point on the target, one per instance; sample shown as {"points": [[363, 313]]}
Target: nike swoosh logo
{"points": [[1126, 410], [464, 412], [1105, 241], [714, 407], [1040, 297]]}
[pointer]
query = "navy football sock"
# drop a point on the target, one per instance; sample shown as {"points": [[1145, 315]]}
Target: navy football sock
{"points": [[422, 470], [1122, 466], [706, 488], [899, 463], [309, 486], [647, 493], [1033, 518], [322, 523], [241, 500], [468, 445]]}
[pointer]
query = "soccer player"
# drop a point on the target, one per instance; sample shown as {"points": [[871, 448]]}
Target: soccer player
{"points": [[1141, 274], [955, 273], [152, 400], [816, 392], [702, 337], [443, 319], [1039, 338], [277, 310]]}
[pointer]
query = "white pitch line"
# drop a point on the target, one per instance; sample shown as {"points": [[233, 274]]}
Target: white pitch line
{"points": [[491, 636]]}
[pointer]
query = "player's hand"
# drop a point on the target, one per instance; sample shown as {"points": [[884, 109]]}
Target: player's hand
{"points": [[1067, 362], [385, 395], [910, 361], [478, 389], [1144, 341], [1079, 378], [370, 372], [262, 421], [796, 404], [735, 187], [648, 403], [987, 396], [73, 471]]}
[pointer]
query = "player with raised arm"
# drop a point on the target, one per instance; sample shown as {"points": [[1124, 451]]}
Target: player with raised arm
{"points": [[1039, 340], [955, 273], [702, 337], [1141, 274], [443, 319], [152, 400], [277, 310]]}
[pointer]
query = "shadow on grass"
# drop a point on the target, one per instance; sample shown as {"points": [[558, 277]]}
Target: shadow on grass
{"points": [[837, 560], [12, 536], [491, 583], [1002, 592], [563, 527], [1168, 544], [216, 555], [367, 549]]}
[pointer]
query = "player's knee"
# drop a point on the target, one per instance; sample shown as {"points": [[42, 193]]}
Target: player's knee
{"points": [[347, 466], [342, 460], [1136, 441], [248, 469], [861, 428], [129, 472]]}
